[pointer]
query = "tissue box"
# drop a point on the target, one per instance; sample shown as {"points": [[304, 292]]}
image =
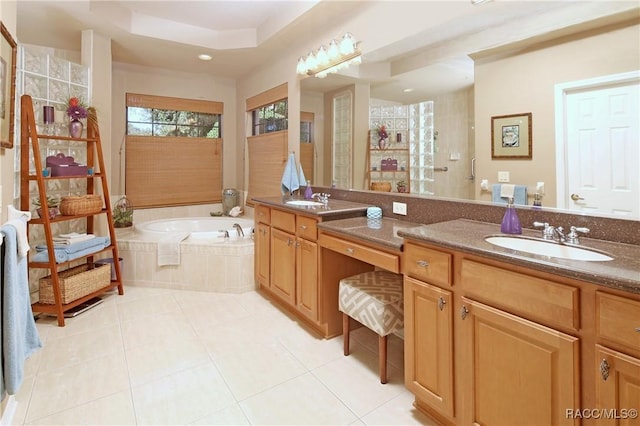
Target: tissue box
{"points": [[62, 165], [389, 165]]}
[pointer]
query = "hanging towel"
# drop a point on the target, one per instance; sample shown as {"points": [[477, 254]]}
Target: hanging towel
{"points": [[302, 180], [519, 194], [20, 337], [169, 248], [290, 181], [19, 219]]}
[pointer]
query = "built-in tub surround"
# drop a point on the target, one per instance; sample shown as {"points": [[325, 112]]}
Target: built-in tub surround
{"points": [[426, 210], [209, 261]]}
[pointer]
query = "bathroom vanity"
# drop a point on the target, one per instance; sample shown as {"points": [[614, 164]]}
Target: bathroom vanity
{"points": [[494, 336]]}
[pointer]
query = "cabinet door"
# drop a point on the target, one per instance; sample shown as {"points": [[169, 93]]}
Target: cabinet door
{"points": [[283, 265], [617, 387], [522, 373], [263, 249], [307, 278], [428, 340]]}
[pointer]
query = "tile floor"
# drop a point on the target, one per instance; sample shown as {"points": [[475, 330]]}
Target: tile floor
{"points": [[157, 356]]}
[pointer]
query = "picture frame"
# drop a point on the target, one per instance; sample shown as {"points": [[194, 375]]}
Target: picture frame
{"points": [[511, 136], [8, 55]]}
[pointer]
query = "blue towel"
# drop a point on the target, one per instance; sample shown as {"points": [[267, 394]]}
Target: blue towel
{"points": [[69, 252], [290, 177], [76, 247], [20, 336], [519, 194]]}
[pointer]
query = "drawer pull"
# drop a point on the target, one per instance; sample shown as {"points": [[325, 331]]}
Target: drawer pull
{"points": [[463, 312], [289, 241], [441, 303], [303, 227], [638, 329], [422, 263], [350, 250], [604, 369]]}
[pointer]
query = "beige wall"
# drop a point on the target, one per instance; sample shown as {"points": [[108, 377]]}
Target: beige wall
{"points": [[8, 17], [525, 83]]}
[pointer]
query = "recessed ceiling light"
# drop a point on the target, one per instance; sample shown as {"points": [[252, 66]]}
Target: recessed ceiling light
{"points": [[205, 57], [407, 90]]}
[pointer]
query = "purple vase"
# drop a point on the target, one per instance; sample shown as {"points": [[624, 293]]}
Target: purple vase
{"points": [[75, 128]]}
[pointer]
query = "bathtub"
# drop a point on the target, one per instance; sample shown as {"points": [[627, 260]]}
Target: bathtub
{"points": [[208, 261], [197, 227]]}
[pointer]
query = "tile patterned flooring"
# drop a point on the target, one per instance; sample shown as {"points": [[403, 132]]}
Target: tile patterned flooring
{"points": [[158, 356]]}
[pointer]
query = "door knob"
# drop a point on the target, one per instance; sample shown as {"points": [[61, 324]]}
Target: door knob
{"points": [[576, 197]]}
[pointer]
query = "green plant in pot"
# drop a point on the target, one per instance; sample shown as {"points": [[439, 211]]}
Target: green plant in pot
{"points": [[52, 204], [401, 186]]}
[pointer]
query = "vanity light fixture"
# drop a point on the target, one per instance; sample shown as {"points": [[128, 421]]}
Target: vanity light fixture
{"points": [[328, 60], [205, 57]]}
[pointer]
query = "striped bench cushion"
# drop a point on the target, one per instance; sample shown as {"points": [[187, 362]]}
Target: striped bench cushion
{"points": [[374, 299]]}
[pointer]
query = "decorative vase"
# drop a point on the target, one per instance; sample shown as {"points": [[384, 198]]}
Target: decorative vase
{"points": [[75, 128], [382, 143]]}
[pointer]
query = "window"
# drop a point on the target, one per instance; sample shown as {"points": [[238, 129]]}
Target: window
{"points": [[173, 151], [165, 122], [270, 118]]}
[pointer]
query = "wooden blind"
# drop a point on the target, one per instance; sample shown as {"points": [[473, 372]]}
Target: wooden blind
{"points": [[268, 97], [172, 171], [267, 158]]}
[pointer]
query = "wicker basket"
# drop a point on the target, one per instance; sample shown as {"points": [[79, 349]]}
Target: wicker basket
{"points": [[75, 282], [381, 186], [83, 204]]}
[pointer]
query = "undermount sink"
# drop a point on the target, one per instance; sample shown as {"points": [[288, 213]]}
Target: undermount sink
{"points": [[303, 203], [547, 248]]}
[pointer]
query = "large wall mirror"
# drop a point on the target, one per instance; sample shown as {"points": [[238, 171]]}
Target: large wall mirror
{"points": [[481, 78]]}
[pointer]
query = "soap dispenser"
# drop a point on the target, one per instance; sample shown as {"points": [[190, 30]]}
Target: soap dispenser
{"points": [[308, 192], [510, 221]]}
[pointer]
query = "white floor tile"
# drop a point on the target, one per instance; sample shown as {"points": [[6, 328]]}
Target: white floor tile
{"points": [[166, 356], [267, 408]]}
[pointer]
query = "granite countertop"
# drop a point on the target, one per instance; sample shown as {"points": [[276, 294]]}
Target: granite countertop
{"points": [[622, 273], [358, 228], [333, 207]]}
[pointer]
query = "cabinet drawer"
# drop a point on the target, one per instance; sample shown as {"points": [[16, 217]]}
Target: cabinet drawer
{"points": [[536, 299], [388, 261], [618, 319], [283, 220], [263, 214], [427, 264], [306, 228]]}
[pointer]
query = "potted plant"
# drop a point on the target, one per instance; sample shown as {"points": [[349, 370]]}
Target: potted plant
{"points": [[52, 204], [122, 213], [401, 186]]}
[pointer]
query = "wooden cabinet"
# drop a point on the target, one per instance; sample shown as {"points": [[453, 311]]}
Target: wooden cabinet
{"points": [[32, 153], [428, 344], [287, 259], [521, 372], [617, 370]]}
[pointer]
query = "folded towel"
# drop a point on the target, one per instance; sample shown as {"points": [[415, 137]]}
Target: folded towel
{"points": [[519, 194], [72, 240], [290, 181], [169, 248], [76, 247], [71, 252], [19, 219], [20, 337]]}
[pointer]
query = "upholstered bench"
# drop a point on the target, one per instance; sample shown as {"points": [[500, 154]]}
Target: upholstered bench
{"points": [[375, 300]]}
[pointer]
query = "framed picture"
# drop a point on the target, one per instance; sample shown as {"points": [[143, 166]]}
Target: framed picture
{"points": [[511, 136], [8, 49]]}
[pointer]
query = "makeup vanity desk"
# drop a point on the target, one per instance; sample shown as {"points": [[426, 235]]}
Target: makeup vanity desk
{"points": [[351, 246]]}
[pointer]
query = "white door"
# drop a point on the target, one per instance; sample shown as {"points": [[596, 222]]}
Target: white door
{"points": [[603, 150]]}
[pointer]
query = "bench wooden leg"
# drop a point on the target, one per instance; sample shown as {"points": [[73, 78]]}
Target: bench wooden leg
{"points": [[345, 332], [382, 358]]}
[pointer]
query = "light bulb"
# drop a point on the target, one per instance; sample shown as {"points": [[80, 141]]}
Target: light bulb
{"points": [[301, 68], [311, 61], [322, 57], [333, 51], [346, 44]]}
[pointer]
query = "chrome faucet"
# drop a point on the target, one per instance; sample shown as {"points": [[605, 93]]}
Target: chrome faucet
{"points": [[557, 233], [572, 238], [238, 229], [322, 197]]}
